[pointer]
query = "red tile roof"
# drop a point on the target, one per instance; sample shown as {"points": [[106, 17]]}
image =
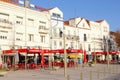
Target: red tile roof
{"points": [[66, 22], [47, 9], [99, 21], [112, 33]]}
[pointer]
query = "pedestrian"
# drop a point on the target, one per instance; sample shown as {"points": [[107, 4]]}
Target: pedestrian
{"points": [[8, 63]]}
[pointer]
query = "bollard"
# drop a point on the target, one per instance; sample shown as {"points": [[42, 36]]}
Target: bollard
{"points": [[90, 75], [68, 77], [109, 70], [81, 76], [98, 75]]}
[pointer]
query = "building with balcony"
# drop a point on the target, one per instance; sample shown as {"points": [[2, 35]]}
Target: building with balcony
{"points": [[91, 35], [30, 25], [21, 26]]}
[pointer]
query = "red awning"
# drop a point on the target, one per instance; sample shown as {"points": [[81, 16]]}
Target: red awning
{"points": [[32, 50], [111, 52], [67, 50], [97, 52], [75, 51]]}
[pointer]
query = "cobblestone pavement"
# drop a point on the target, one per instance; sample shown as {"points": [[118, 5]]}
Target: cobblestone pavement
{"points": [[97, 72]]}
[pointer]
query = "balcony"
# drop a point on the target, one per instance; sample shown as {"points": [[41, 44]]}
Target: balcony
{"points": [[44, 30], [4, 23], [57, 35], [72, 37], [100, 40]]}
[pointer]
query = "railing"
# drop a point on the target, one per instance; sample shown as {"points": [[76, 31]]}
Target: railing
{"points": [[57, 35], [6, 24], [44, 30], [72, 37], [5, 21]]}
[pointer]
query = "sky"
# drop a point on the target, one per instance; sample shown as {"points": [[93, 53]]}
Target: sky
{"points": [[92, 10]]}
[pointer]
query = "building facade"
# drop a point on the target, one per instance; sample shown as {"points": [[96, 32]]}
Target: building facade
{"points": [[90, 34], [23, 26]]}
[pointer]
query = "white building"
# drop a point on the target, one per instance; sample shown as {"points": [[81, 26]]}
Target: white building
{"points": [[21, 27], [56, 28], [91, 34]]}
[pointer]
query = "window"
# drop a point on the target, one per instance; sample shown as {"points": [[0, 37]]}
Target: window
{"points": [[55, 32], [105, 29], [61, 43], [60, 33], [3, 37], [4, 15], [42, 25], [83, 24], [89, 48], [19, 36], [30, 22], [19, 20], [55, 43], [85, 38], [56, 15], [31, 37], [72, 43], [42, 22], [42, 39]]}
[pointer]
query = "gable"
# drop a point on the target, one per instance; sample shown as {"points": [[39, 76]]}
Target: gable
{"points": [[84, 24], [56, 11]]}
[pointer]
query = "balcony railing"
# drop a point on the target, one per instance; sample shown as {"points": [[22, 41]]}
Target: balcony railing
{"points": [[4, 23], [72, 37], [57, 35], [44, 30]]}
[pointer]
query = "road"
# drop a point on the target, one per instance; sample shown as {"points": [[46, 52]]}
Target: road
{"points": [[97, 72]]}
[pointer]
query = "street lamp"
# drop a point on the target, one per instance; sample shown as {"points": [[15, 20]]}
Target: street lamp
{"points": [[65, 54], [107, 53], [28, 48]]}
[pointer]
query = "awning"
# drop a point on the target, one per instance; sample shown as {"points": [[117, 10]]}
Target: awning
{"points": [[67, 50], [110, 52], [30, 51]]}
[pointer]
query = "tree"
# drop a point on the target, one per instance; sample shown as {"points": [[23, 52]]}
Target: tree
{"points": [[117, 37]]}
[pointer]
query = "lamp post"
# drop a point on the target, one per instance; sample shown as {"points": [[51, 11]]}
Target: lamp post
{"points": [[107, 53], [28, 48], [65, 54], [94, 52]]}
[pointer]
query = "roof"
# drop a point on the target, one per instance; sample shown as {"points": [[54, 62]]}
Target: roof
{"points": [[47, 9], [66, 22], [88, 21], [112, 33], [99, 21]]}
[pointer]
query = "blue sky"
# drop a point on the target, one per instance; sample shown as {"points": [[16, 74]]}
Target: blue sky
{"points": [[90, 9]]}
